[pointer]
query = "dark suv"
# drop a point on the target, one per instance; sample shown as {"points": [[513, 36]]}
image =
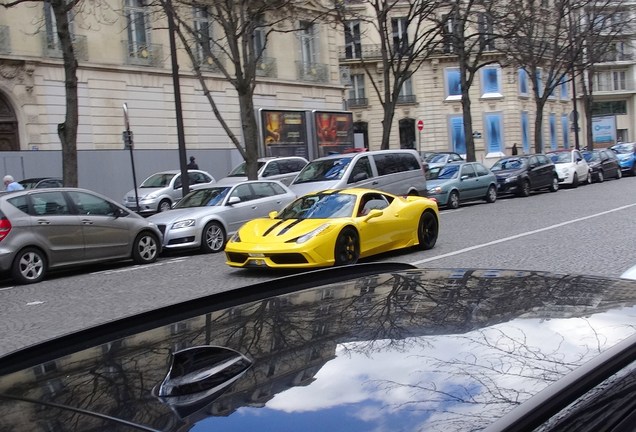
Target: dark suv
{"points": [[522, 174]]}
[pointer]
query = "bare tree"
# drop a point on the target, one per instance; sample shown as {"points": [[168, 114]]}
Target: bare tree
{"points": [[406, 40], [468, 34], [67, 130], [234, 40]]}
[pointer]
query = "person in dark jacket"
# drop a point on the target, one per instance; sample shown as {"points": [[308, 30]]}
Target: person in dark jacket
{"points": [[192, 164]]}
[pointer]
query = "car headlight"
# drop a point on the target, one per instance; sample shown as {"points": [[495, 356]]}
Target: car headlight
{"points": [[183, 224], [512, 179], [147, 197], [312, 234], [435, 190]]}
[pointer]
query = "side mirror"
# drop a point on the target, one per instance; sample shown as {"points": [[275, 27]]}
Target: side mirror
{"points": [[273, 214], [233, 200], [373, 214]]}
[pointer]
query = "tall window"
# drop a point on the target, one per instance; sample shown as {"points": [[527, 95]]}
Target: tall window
{"points": [[486, 42], [357, 95], [565, 88], [453, 84], [400, 36], [553, 132], [52, 40], [491, 81], [448, 33], [494, 132], [523, 83], [456, 129], [308, 48], [138, 29], [260, 37], [202, 29], [565, 130], [538, 82], [353, 47], [406, 92], [525, 131]]}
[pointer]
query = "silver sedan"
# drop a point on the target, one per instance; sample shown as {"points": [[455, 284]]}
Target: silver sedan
{"points": [[205, 217]]}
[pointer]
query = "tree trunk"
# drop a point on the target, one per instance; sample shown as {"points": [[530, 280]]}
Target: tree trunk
{"points": [[538, 129], [250, 134], [67, 131], [387, 121]]}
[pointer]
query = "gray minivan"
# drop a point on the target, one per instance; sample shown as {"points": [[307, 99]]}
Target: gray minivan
{"points": [[399, 172]]}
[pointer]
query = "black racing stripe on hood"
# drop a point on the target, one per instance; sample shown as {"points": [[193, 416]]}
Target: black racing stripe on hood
{"points": [[269, 230], [290, 226]]}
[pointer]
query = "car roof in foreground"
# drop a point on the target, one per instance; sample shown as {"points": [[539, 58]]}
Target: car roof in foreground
{"points": [[357, 348]]}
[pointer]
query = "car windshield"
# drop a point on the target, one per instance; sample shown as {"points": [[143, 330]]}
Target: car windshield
{"points": [[239, 171], [204, 197], [435, 158], [590, 156], [320, 206], [561, 157], [509, 164], [321, 170], [157, 180], [623, 148], [443, 173]]}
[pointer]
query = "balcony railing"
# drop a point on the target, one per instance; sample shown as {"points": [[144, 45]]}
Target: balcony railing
{"points": [[52, 48], [5, 40], [354, 52], [406, 99], [312, 72], [206, 62], [266, 67], [616, 56], [142, 54], [627, 86], [357, 102]]}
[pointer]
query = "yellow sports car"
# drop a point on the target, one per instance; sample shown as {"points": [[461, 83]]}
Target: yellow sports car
{"points": [[334, 227]]}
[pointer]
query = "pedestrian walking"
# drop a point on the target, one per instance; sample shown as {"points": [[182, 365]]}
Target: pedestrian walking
{"points": [[192, 164], [10, 184], [514, 149]]}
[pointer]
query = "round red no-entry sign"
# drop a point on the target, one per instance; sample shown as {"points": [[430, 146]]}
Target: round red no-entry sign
{"points": [[420, 125]]}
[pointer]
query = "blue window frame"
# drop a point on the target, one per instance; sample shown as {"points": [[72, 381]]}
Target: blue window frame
{"points": [[491, 81], [494, 132], [553, 132], [453, 85], [523, 83], [565, 89], [525, 131], [458, 139], [565, 128]]}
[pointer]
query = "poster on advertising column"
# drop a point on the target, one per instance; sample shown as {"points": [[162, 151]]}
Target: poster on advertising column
{"points": [[334, 132], [284, 133], [604, 131]]}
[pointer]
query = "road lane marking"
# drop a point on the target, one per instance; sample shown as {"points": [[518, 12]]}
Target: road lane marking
{"points": [[516, 236]]}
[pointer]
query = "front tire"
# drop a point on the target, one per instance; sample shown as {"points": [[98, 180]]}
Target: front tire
{"points": [[588, 179], [619, 174], [491, 195], [145, 248], [555, 184], [575, 181], [29, 266], [427, 230], [453, 200], [212, 238], [600, 177], [347, 249], [524, 190], [164, 205]]}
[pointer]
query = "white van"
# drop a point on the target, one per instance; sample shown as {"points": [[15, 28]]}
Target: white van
{"points": [[399, 172]]}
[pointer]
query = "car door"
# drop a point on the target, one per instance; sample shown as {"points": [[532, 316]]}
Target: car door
{"points": [[542, 172], [238, 212], [361, 174], [268, 197], [57, 227], [106, 234], [378, 233], [469, 182], [582, 168]]}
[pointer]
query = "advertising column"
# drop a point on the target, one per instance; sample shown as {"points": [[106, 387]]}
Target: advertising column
{"points": [[284, 133], [334, 132]]}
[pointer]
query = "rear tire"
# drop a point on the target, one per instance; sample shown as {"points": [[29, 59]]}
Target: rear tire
{"points": [[29, 266], [491, 195], [347, 249], [453, 200], [588, 180], [600, 177], [212, 238], [619, 174], [427, 230], [145, 248]]}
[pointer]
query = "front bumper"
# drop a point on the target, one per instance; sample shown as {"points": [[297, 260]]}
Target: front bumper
{"points": [[292, 256]]}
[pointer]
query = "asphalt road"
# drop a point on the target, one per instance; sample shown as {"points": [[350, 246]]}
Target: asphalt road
{"points": [[588, 230]]}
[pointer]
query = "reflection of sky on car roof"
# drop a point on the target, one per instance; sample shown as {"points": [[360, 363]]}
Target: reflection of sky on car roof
{"points": [[157, 180], [489, 386], [510, 163], [320, 206], [437, 158], [328, 169], [239, 171], [561, 157]]}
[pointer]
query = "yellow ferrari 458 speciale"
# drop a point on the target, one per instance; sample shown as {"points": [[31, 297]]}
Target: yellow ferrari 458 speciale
{"points": [[334, 227]]}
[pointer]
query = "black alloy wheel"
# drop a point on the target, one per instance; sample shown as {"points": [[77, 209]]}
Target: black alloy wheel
{"points": [[524, 189], [427, 230], [347, 249]]}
